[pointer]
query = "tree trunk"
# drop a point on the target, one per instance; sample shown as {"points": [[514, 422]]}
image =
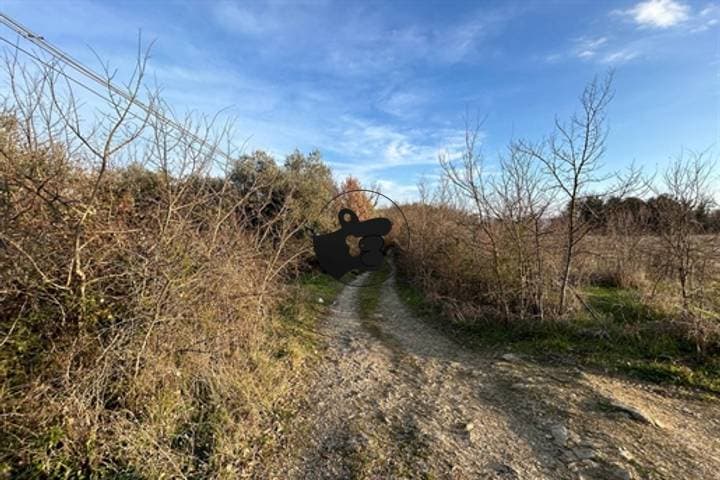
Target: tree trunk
{"points": [[568, 251], [565, 278]]}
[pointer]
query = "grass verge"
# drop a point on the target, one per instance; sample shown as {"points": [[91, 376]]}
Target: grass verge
{"points": [[300, 313]]}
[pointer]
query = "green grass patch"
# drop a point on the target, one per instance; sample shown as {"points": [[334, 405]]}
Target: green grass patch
{"points": [[300, 313], [369, 295], [321, 285], [414, 299], [705, 376], [620, 305]]}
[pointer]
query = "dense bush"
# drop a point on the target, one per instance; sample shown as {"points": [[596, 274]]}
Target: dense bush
{"points": [[139, 294]]}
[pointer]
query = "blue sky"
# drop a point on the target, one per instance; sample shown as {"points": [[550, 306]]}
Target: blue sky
{"points": [[380, 88]]}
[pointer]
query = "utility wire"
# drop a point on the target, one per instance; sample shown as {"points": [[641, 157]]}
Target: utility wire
{"points": [[58, 54], [76, 81], [60, 71]]}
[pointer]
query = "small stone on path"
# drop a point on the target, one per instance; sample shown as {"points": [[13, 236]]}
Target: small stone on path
{"points": [[625, 454], [584, 453], [619, 472], [559, 434]]}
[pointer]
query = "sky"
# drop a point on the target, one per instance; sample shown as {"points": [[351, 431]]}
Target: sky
{"points": [[383, 88]]}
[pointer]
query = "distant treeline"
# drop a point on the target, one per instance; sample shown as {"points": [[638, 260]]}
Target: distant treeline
{"points": [[646, 215]]}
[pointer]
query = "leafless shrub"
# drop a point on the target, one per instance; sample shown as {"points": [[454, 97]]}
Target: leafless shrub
{"points": [[685, 252]]}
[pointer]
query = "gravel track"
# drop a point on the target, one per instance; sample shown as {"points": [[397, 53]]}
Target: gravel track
{"points": [[395, 398]]}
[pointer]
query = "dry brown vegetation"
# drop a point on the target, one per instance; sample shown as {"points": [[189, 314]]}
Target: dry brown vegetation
{"points": [[140, 280], [548, 242]]}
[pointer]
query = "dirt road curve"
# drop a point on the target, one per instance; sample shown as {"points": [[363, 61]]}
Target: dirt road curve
{"points": [[395, 398]]}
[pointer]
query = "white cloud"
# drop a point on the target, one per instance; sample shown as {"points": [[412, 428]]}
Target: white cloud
{"points": [[705, 26], [659, 13], [588, 47], [392, 157], [399, 192], [710, 10], [374, 146], [584, 48], [356, 40], [596, 42], [553, 57], [620, 56]]}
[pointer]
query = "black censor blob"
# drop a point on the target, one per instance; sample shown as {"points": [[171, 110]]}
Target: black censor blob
{"points": [[332, 250]]}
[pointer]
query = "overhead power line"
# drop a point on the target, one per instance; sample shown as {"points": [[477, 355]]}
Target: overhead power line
{"points": [[76, 65], [74, 80], [50, 66]]}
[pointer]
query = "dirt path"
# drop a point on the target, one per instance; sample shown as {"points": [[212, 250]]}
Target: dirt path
{"points": [[395, 398]]}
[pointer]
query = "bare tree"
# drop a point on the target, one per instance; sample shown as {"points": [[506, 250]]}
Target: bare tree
{"points": [[572, 156]]}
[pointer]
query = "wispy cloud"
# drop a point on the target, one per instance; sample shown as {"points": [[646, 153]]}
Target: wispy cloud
{"points": [[355, 39], [654, 19], [381, 153], [708, 18], [588, 47], [403, 103], [620, 56], [372, 146], [596, 49], [400, 192]]}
